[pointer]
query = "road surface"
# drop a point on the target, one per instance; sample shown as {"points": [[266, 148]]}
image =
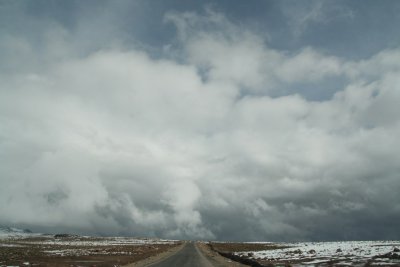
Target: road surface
{"points": [[188, 256]]}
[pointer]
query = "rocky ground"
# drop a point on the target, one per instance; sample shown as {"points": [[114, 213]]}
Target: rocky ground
{"points": [[351, 253]]}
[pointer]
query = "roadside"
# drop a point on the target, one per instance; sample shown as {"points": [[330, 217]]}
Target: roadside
{"points": [[216, 259]]}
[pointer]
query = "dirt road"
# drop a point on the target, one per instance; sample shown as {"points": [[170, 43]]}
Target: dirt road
{"points": [[194, 254], [189, 256]]}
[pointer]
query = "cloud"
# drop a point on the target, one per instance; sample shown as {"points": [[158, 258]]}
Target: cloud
{"points": [[118, 142], [228, 54]]}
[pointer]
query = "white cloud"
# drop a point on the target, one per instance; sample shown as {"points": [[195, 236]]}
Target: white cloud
{"points": [[119, 142], [238, 56], [308, 66]]}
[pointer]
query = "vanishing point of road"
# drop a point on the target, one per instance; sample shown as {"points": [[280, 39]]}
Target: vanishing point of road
{"points": [[188, 256]]}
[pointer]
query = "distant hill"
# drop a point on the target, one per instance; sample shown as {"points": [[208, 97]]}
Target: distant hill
{"points": [[11, 232]]}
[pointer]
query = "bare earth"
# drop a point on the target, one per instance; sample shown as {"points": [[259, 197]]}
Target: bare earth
{"points": [[80, 251]]}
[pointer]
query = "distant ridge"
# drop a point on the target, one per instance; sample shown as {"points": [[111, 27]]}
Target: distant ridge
{"points": [[12, 232]]}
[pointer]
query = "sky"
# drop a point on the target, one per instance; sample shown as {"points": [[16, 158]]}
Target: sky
{"points": [[215, 120]]}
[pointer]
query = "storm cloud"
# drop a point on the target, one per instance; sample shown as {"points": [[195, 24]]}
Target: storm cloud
{"points": [[209, 133]]}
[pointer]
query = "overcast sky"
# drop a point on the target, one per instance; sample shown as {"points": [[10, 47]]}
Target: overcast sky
{"points": [[228, 120]]}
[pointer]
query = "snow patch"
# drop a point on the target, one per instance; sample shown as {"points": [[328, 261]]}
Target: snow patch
{"points": [[345, 253]]}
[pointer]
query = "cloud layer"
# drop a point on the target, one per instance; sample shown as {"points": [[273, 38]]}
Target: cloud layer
{"points": [[221, 137]]}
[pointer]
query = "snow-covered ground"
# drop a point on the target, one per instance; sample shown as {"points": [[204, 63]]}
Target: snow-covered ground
{"points": [[343, 253], [7, 233], [21, 248], [73, 245], [97, 241], [85, 252], [84, 246]]}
